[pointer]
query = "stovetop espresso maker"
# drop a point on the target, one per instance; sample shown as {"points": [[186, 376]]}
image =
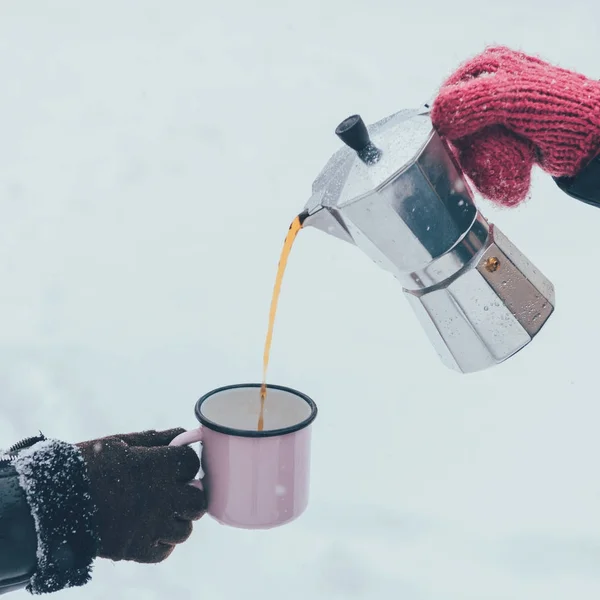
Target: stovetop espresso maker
{"points": [[395, 191]]}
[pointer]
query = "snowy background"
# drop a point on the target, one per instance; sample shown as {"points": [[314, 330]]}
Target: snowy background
{"points": [[152, 156]]}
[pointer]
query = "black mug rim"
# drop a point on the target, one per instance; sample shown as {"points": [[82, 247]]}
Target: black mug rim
{"points": [[255, 434]]}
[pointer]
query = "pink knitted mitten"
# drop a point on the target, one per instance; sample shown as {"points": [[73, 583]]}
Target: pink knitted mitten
{"points": [[505, 111]]}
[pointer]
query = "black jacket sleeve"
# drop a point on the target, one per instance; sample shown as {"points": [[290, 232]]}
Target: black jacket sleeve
{"points": [[585, 186], [48, 531], [18, 539]]}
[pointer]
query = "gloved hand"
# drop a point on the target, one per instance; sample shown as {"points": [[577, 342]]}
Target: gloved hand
{"points": [[505, 111], [141, 489]]}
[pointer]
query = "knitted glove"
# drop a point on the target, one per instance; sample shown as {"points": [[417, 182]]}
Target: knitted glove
{"points": [[140, 486], [123, 497], [505, 111]]}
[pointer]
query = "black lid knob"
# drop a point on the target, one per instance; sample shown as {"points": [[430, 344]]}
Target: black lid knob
{"points": [[353, 132]]}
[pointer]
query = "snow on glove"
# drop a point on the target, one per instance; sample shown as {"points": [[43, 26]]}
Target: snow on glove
{"points": [[123, 497], [505, 111], [141, 489], [57, 504]]}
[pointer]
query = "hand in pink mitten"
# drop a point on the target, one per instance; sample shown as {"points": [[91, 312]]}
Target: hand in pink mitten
{"points": [[505, 111]]}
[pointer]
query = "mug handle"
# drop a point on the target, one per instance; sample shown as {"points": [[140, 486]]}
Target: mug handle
{"points": [[186, 438]]}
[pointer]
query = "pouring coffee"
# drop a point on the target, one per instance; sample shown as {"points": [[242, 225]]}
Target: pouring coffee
{"points": [[395, 191]]}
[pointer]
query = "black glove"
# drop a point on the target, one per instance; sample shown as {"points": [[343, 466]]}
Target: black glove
{"points": [[123, 497], [140, 486]]}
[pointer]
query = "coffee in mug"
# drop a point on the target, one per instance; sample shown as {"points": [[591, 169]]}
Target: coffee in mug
{"points": [[254, 479]]}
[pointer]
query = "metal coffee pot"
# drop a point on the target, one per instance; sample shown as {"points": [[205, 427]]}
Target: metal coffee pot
{"points": [[395, 191]]}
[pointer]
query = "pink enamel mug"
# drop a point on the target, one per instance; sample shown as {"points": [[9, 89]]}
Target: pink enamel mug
{"points": [[253, 479]]}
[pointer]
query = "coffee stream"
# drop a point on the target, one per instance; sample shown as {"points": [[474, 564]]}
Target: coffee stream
{"points": [[287, 246]]}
